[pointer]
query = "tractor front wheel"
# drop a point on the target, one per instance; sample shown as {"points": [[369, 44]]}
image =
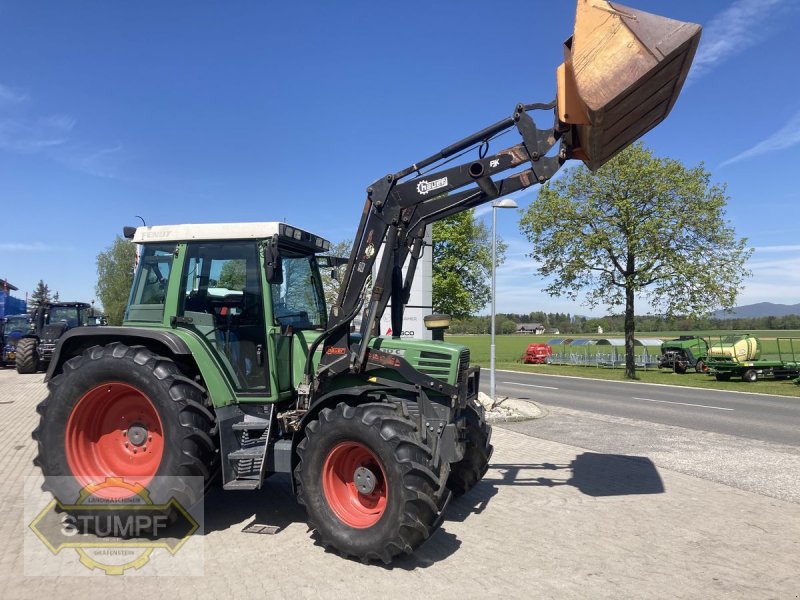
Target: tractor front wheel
{"points": [[122, 423], [470, 470], [700, 366], [368, 481], [27, 356]]}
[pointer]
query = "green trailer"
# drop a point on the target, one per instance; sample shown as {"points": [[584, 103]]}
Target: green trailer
{"points": [[742, 356]]}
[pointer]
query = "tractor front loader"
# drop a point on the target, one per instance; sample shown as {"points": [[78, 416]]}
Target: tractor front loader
{"points": [[230, 365]]}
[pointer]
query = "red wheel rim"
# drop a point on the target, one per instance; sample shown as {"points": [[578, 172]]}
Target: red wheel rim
{"points": [[354, 508], [114, 431]]}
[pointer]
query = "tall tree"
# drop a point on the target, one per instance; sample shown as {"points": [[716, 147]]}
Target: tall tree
{"points": [[115, 277], [462, 264], [233, 274], [639, 226], [40, 296]]}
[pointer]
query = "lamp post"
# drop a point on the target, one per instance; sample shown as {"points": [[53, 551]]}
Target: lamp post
{"points": [[506, 203]]}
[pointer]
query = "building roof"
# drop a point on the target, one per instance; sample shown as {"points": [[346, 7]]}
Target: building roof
{"points": [[636, 342], [4, 284], [530, 326]]}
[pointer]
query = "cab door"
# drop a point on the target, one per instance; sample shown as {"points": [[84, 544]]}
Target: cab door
{"points": [[222, 300]]}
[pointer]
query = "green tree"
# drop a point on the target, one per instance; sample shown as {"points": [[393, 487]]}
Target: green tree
{"points": [[462, 264], [639, 226], [115, 277], [40, 295], [232, 275]]}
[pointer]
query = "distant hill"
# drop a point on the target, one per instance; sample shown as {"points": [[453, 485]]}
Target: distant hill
{"points": [[761, 309]]}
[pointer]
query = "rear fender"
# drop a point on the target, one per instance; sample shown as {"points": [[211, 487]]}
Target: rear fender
{"points": [[75, 341]]}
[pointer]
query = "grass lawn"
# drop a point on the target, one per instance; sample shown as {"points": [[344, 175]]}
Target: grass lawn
{"points": [[509, 349]]}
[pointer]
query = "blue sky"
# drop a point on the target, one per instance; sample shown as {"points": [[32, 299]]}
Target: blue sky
{"points": [[215, 111]]}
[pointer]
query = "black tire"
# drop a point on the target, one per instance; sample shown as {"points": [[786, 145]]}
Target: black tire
{"points": [[27, 356], [723, 376], [750, 376], [680, 368], [700, 366], [188, 428], [470, 470], [414, 488]]}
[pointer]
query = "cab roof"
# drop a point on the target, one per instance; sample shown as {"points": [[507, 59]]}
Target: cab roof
{"points": [[229, 231]]}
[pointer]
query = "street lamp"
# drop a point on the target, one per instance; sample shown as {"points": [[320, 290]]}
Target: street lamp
{"points": [[506, 203]]}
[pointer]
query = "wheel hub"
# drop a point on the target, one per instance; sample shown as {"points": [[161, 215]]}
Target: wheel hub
{"points": [[137, 434], [364, 480]]}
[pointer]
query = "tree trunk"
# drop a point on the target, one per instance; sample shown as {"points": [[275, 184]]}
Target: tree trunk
{"points": [[630, 326]]}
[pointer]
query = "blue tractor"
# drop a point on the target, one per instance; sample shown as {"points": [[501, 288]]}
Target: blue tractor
{"points": [[12, 328]]}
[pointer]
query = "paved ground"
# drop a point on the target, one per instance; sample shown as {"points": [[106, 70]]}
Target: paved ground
{"points": [[549, 520]]}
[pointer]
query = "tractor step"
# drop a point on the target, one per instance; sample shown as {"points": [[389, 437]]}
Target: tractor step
{"points": [[251, 425], [242, 484], [248, 453], [245, 442]]}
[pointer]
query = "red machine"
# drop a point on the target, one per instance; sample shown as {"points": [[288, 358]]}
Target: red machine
{"points": [[537, 354]]}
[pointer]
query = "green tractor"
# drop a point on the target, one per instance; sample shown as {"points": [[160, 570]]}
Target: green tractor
{"points": [[684, 353], [230, 366]]}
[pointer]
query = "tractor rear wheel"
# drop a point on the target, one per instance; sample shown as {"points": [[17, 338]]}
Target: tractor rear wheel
{"points": [[470, 470], [27, 356], [368, 481], [122, 422]]}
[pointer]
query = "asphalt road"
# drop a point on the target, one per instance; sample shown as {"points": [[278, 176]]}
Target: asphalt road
{"points": [[772, 419]]}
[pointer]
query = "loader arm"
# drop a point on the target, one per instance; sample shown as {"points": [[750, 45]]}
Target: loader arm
{"points": [[400, 206]]}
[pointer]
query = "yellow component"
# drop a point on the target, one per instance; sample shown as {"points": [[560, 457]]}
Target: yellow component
{"points": [[745, 349], [623, 71], [372, 379]]}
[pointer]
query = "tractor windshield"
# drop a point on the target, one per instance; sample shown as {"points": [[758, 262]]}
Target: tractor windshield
{"points": [[298, 301], [71, 315], [17, 325]]}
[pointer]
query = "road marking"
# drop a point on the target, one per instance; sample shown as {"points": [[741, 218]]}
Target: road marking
{"points": [[544, 387], [682, 403]]}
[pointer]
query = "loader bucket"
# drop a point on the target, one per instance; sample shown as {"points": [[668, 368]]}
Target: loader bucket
{"points": [[623, 70]]}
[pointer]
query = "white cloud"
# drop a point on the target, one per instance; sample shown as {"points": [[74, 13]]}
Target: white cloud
{"points": [[27, 247], [27, 136], [9, 95], [786, 137], [732, 31]]}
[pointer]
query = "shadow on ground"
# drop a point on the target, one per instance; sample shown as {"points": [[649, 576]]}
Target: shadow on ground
{"points": [[593, 474]]}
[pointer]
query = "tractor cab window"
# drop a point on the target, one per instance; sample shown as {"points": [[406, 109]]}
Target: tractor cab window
{"points": [[149, 290], [19, 325], [64, 314], [222, 301], [298, 301]]}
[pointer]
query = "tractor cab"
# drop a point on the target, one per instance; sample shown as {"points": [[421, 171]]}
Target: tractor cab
{"points": [[250, 293]]}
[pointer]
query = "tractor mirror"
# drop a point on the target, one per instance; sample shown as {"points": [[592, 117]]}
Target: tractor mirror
{"points": [[623, 71], [273, 264]]}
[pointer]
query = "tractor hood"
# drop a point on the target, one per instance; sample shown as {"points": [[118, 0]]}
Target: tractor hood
{"points": [[53, 331]]}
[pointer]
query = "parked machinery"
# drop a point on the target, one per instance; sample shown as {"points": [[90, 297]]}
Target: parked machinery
{"points": [[229, 360]]}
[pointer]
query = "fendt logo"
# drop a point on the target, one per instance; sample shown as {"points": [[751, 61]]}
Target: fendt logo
{"points": [[424, 187], [114, 535]]}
